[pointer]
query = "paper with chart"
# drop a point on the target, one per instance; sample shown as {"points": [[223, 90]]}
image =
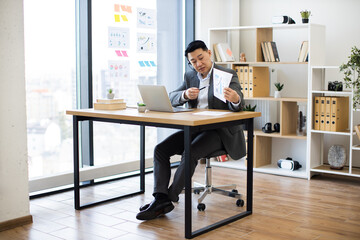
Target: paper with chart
{"points": [[221, 80]]}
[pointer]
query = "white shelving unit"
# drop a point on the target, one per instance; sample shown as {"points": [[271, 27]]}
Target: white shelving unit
{"points": [[317, 155], [269, 147]]}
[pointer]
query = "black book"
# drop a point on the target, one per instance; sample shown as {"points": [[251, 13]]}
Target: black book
{"points": [[275, 51]]}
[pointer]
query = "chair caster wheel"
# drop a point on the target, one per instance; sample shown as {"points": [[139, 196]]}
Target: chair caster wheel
{"points": [[240, 203], [196, 191], [201, 207]]}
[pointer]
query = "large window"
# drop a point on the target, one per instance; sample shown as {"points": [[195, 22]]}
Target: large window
{"points": [[124, 40], [50, 84], [133, 42]]}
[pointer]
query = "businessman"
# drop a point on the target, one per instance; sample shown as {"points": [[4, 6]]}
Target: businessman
{"points": [[197, 91]]}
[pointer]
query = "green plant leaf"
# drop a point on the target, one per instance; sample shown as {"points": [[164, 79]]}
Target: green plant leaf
{"points": [[351, 70]]}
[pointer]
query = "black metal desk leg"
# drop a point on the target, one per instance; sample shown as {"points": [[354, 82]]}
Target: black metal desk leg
{"points": [[188, 208], [76, 162], [142, 158], [249, 191]]}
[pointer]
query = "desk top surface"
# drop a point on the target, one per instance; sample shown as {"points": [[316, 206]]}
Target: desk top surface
{"points": [[194, 118]]}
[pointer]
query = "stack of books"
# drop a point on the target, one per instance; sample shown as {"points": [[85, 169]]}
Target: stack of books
{"points": [[331, 113], [110, 104], [270, 52]]}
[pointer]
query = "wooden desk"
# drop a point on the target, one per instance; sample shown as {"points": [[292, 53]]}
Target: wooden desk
{"points": [[190, 122]]}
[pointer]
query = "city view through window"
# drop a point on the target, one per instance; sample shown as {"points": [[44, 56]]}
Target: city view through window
{"points": [[124, 55]]}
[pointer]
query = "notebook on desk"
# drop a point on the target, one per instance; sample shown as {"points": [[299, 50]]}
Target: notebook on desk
{"points": [[156, 98]]}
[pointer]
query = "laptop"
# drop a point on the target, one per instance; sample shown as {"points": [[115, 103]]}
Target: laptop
{"points": [[156, 98]]}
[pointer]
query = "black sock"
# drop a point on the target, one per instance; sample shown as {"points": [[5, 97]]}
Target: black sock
{"points": [[162, 197]]}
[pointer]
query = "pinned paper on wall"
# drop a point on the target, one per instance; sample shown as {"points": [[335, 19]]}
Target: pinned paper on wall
{"points": [[146, 18], [147, 64], [146, 42], [124, 18], [119, 70], [118, 37], [116, 7], [117, 18], [118, 53], [121, 53], [221, 80], [126, 8], [124, 53]]}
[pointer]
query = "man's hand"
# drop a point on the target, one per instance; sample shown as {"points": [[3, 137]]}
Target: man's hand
{"points": [[191, 93], [231, 95]]}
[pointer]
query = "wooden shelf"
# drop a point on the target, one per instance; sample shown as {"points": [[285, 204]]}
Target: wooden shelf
{"points": [[287, 108], [342, 93], [325, 67], [277, 135], [347, 133], [286, 99], [345, 171], [356, 147], [327, 169], [260, 63], [269, 169]]}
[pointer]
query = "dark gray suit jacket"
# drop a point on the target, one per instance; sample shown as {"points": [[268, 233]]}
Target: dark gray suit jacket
{"points": [[232, 137]]}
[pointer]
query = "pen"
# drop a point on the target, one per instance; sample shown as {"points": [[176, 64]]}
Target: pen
{"points": [[202, 88]]}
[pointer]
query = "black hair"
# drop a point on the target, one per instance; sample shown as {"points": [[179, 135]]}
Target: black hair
{"points": [[195, 45]]}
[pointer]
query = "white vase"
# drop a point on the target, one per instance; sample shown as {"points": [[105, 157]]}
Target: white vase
{"points": [[277, 94], [110, 95]]}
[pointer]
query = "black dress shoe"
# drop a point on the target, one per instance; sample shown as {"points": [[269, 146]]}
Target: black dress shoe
{"points": [[144, 207], [155, 209]]}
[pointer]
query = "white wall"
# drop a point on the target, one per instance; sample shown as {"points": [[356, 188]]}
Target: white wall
{"points": [[215, 13], [14, 194], [341, 18]]}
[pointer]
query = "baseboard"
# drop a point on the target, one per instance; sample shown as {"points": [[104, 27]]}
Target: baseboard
{"points": [[17, 222]]}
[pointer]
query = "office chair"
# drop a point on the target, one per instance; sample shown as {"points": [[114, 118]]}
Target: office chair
{"points": [[208, 188]]}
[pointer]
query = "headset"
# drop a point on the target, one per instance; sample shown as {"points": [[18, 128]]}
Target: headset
{"points": [[268, 128]]}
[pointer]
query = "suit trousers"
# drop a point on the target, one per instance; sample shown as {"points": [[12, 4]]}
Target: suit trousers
{"points": [[202, 144]]}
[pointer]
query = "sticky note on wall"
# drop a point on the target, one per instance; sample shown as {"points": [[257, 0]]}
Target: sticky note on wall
{"points": [[117, 18]]}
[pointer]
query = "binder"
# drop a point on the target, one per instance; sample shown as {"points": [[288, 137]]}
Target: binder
{"points": [[339, 113], [259, 82], [246, 82], [322, 113], [250, 81], [327, 113], [241, 69], [317, 113]]}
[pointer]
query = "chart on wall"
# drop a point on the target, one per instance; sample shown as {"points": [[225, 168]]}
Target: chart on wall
{"points": [[146, 18], [146, 43], [119, 37]]}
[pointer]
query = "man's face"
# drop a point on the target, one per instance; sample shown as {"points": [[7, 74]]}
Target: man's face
{"points": [[201, 61]]}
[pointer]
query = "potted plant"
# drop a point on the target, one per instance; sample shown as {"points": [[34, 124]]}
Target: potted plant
{"points": [[305, 14], [249, 108], [351, 71], [141, 107], [110, 94], [279, 87]]}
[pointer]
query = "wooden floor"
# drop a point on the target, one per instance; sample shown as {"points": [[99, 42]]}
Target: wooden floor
{"points": [[284, 208]]}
